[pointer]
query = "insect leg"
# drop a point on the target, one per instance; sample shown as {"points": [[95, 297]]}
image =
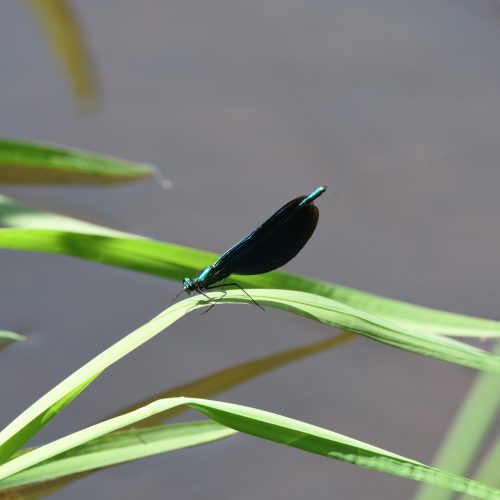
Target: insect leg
{"points": [[175, 298], [218, 299], [238, 286]]}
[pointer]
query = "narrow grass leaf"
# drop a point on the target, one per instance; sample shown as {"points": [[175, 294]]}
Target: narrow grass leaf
{"points": [[119, 447], [204, 387], [14, 442], [149, 255], [176, 262], [35, 417], [36, 163], [269, 426], [340, 315], [13, 213], [6, 335], [487, 470], [328, 311], [471, 425]]}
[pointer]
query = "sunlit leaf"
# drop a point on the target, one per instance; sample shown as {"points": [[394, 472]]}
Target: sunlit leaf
{"points": [[28, 423], [269, 426], [6, 335], [176, 262], [17, 214], [204, 387], [487, 470], [35, 163], [468, 431], [119, 447]]}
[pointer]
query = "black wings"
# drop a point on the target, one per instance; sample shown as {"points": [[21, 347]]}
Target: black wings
{"points": [[273, 243]]}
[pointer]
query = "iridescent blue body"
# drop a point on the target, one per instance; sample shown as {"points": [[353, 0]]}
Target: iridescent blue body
{"points": [[274, 243]]}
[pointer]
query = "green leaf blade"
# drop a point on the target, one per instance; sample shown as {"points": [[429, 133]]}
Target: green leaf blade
{"points": [[15, 214], [11, 336], [36, 163], [118, 448], [319, 308], [176, 262], [171, 260], [255, 422], [269, 426]]}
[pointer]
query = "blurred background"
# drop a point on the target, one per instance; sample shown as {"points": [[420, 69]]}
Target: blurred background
{"points": [[394, 104]]}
